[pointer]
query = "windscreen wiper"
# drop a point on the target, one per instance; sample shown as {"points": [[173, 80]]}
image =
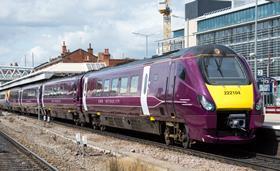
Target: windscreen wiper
{"points": [[219, 64]]}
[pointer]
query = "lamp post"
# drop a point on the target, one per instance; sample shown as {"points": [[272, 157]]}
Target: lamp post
{"points": [[147, 40], [256, 38], [186, 28]]}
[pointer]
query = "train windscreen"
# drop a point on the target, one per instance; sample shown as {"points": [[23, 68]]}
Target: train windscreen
{"points": [[218, 70]]}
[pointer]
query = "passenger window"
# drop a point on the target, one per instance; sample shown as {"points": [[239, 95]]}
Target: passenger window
{"points": [[98, 88], [115, 83], [134, 84], [181, 72], [106, 85], [124, 84], [31, 93]]}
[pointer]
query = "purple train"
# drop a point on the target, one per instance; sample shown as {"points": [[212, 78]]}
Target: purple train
{"points": [[204, 93]]}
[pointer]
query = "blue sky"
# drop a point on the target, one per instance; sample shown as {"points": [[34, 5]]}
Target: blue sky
{"points": [[40, 27]]}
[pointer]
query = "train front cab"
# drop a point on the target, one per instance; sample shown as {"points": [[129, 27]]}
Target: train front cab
{"points": [[228, 107]]}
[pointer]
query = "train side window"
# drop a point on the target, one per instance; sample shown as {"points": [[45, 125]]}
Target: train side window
{"points": [[115, 84], [106, 86], [90, 87], [181, 71], [51, 91], [99, 86], [73, 91], [24, 94], [134, 84], [2, 96], [124, 84], [31, 93]]}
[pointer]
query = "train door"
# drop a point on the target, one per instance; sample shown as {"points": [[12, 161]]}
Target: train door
{"points": [[170, 90], [20, 97], [144, 90], [39, 96], [19, 92]]}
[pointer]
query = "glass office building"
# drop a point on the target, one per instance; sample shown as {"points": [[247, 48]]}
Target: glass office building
{"points": [[236, 28]]}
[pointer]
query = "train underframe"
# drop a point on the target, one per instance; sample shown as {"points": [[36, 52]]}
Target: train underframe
{"points": [[210, 129]]}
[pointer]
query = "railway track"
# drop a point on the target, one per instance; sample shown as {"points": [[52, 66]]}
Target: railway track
{"points": [[14, 156], [234, 156]]}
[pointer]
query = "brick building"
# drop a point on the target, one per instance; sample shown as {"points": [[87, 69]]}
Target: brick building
{"points": [[82, 56], [106, 57]]}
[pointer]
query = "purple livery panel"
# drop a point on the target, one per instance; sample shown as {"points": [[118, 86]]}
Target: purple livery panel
{"points": [[13, 98], [30, 97], [59, 97]]}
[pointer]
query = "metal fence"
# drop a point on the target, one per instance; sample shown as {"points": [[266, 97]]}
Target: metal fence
{"points": [[8, 73]]}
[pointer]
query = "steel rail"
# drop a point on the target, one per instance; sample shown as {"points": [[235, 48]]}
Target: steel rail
{"points": [[38, 160], [253, 160]]}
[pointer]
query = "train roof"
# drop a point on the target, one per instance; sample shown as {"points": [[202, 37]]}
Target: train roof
{"points": [[196, 50], [48, 74], [172, 54]]}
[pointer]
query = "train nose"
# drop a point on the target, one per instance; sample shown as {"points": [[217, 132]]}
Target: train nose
{"points": [[230, 97]]}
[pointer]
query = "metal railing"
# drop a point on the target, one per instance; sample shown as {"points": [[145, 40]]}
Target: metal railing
{"points": [[8, 73]]}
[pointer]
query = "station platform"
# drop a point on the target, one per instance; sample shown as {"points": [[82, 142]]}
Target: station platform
{"points": [[268, 137], [272, 121], [272, 117]]}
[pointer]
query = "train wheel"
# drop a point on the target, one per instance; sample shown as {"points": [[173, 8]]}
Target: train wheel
{"points": [[167, 138], [76, 122], [95, 122], [186, 139], [102, 128], [95, 127], [186, 142]]}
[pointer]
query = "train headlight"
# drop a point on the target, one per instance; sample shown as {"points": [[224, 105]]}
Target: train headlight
{"points": [[259, 104], [206, 104]]}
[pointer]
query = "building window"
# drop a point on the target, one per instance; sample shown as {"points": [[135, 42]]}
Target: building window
{"points": [[247, 15]]}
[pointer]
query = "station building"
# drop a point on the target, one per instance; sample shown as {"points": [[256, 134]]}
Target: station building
{"points": [[234, 26], [82, 56]]}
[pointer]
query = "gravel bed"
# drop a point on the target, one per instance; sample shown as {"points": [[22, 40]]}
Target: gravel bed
{"points": [[55, 143]]}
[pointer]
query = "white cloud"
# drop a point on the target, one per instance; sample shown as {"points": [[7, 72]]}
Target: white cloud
{"points": [[41, 26], [38, 54], [4, 50]]}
